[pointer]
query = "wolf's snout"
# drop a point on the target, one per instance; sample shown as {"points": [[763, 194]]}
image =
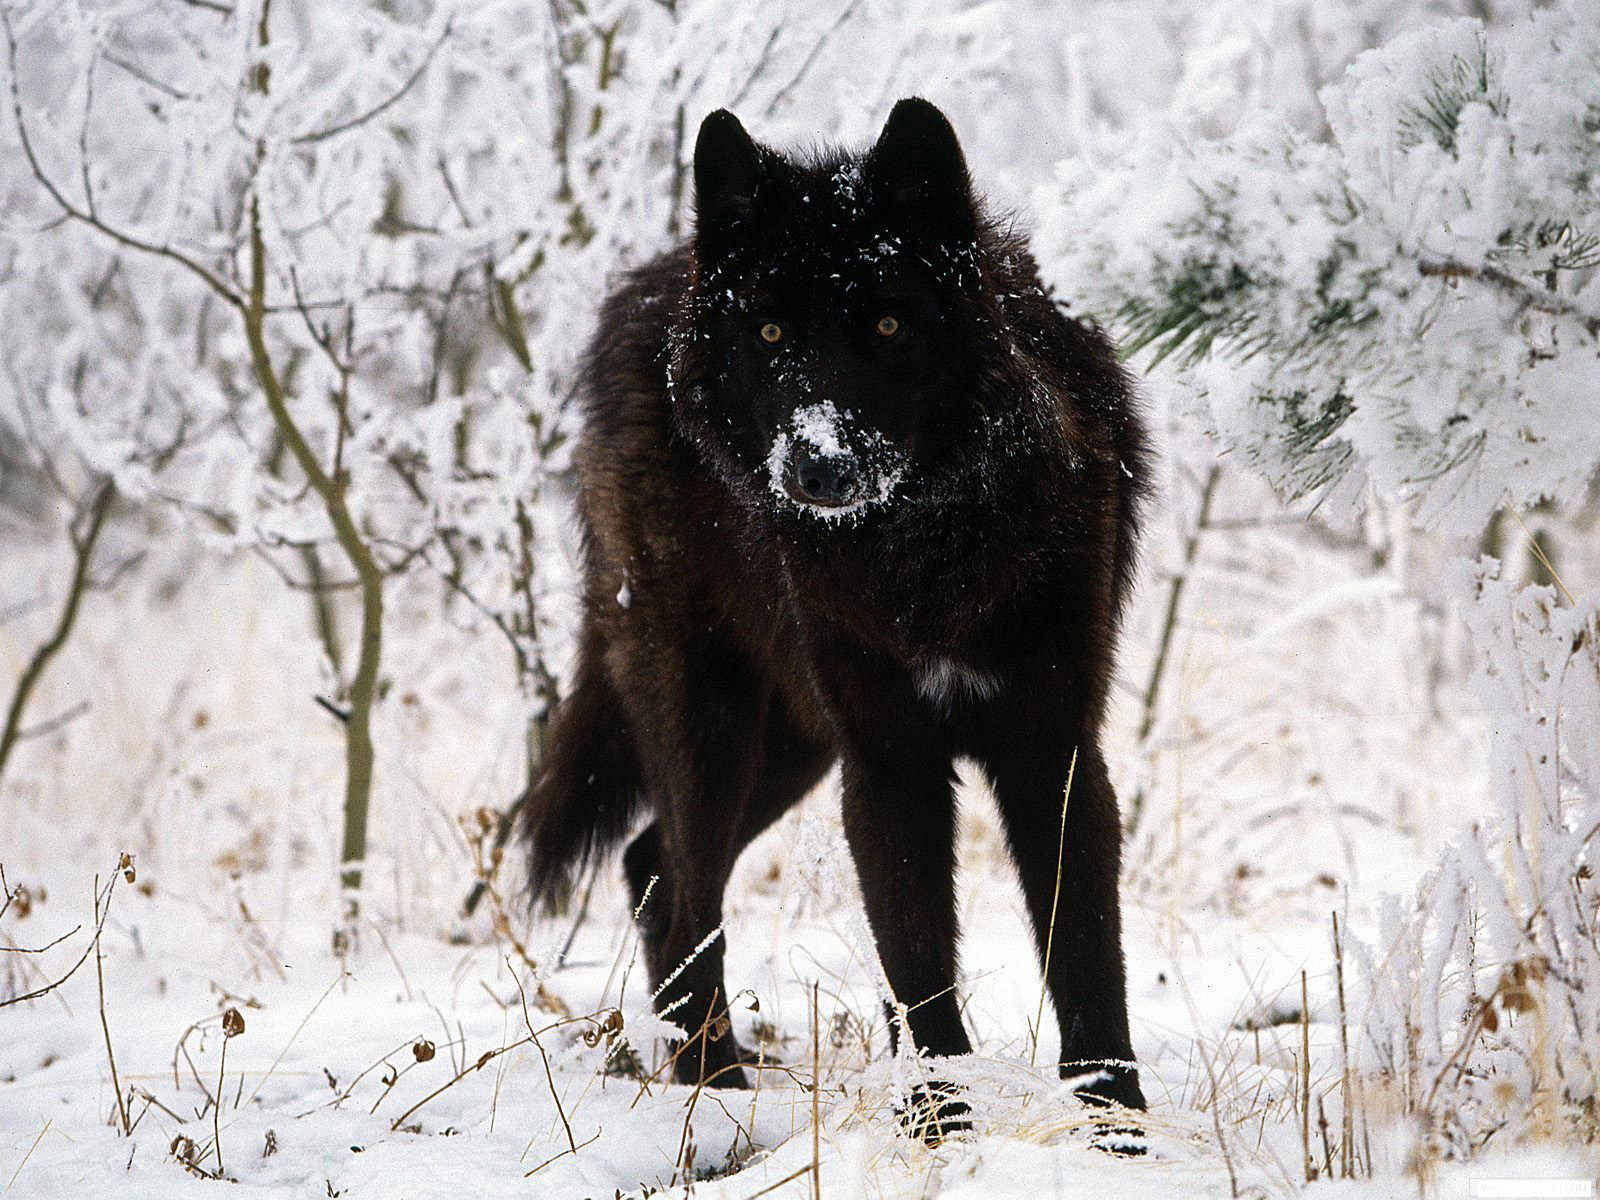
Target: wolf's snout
{"points": [[826, 480]]}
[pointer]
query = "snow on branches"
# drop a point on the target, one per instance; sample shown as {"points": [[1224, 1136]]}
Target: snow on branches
{"points": [[1414, 303], [1485, 1001], [311, 281]]}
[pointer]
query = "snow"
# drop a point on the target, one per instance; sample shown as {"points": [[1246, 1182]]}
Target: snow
{"points": [[1336, 730], [1462, 392], [836, 435], [236, 868]]}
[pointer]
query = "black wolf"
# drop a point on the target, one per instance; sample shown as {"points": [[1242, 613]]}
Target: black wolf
{"points": [[853, 488]]}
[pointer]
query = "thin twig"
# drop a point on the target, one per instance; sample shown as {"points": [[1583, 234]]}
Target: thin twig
{"points": [[100, 979], [1055, 901], [39, 949], [1347, 1122], [216, 1109], [789, 1178], [52, 724], [100, 919], [345, 126], [182, 1048], [782, 93], [484, 1059], [1538, 552], [816, 1098], [1305, 1082], [262, 1082], [539, 1046], [563, 1154], [487, 1057], [684, 1164], [330, 490], [1191, 547], [29, 1154], [583, 911], [83, 133], [143, 77], [210, 279], [1216, 1118]]}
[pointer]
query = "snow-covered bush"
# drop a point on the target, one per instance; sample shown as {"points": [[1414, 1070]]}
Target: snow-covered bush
{"points": [[1486, 998], [314, 278], [1412, 308]]}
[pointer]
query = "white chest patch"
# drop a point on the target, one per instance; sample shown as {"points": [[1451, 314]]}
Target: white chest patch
{"points": [[943, 681]]}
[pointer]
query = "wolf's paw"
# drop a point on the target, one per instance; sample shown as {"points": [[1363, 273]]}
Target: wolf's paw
{"points": [[933, 1113], [1111, 1092], [1105, 1083], [1115, 1134]]}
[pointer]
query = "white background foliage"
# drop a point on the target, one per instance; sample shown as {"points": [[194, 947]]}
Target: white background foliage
{"points": [[1353, 713]]}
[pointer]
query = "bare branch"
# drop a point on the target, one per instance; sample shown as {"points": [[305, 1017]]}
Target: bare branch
{"points": [[757, 71], [488, 1056], [59, 721], [124, 865], [50, 945], [455, 196], [83, 133], [102, 910], [345, 126], [89, 218], [782, 93], [83, 545], [330, 490], [342, 715], [145, 77], [441, 335], [344, 366]]}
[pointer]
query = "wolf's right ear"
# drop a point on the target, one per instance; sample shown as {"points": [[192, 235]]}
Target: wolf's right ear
{"points": [[727, 171]]}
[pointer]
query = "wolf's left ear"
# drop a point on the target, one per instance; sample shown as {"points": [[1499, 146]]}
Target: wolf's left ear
{"points": [[727, 170], [919, 169]]}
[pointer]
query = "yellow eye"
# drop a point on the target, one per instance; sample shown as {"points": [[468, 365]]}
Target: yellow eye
{"points": [[888, 326], [771, 333]]}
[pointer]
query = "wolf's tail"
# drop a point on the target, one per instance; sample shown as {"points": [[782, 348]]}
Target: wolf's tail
{"points": [[587, 791]]}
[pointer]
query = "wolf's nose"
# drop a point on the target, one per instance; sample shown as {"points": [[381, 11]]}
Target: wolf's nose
{"points": [[826, 480]]}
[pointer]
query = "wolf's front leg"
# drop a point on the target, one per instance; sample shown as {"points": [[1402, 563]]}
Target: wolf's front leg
{"points": [[1070, 878], [899, 818]]}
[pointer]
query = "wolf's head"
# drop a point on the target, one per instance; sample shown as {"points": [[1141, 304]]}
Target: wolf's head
{"points": [[834, 314]]}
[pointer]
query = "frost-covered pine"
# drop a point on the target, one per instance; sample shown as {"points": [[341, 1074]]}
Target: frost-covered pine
{"points": [[1414, 303]]}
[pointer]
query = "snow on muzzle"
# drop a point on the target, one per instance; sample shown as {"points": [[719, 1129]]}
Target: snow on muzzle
{"points": [[825, 464]]}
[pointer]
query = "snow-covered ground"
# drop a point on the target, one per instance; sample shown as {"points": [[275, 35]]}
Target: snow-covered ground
{"points": [[1316, 751], [1315, 745]]}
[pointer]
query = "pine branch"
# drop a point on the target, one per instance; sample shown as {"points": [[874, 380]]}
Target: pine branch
{"points": [[1529, 295]]}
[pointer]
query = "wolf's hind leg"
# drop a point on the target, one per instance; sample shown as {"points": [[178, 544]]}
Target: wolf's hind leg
{"points": [[684, 866]]}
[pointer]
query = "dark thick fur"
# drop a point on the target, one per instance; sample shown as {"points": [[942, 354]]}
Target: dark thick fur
{"points": [[852, 488]]}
